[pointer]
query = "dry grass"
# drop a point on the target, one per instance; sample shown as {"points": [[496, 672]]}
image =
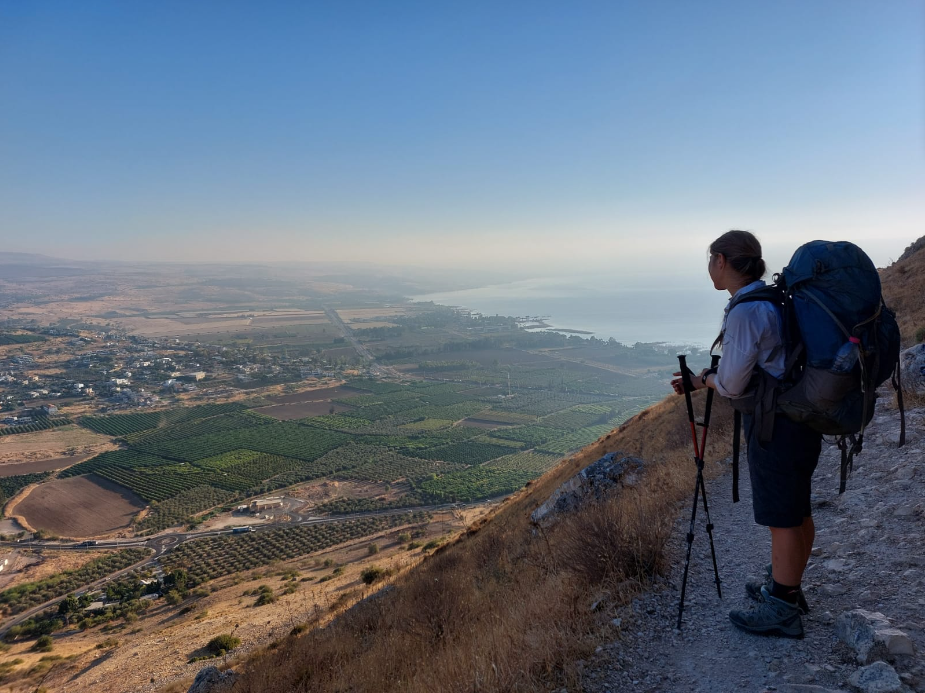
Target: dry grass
{"points": [[903, 289], [507, 607]]}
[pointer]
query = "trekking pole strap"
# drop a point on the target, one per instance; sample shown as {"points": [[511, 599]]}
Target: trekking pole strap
{"points": [[736, 435]]}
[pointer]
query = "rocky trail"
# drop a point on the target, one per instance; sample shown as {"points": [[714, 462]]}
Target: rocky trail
{"points": [[869, 554]]}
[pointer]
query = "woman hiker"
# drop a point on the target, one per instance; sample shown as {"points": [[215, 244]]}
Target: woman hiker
{"points": [[781, 470]]}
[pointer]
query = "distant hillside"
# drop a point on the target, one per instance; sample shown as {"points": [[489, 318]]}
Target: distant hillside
{"points": [[10, 258], [904, 290]]}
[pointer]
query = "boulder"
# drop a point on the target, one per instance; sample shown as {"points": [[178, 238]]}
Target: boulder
{"points": [[211, 680], [871, 636], [912, 364], [611, 471], [879, 677]]}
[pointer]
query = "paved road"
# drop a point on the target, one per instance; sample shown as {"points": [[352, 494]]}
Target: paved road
{"points": [[360, 349]]}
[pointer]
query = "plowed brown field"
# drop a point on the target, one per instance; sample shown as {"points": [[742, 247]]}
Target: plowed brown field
{"points": [[79, 506]]}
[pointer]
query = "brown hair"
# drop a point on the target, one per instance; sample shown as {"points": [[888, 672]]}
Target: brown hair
{"points": [[741, 250]]}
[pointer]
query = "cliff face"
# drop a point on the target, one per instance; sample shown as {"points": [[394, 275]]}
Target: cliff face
{"points": [[904, 290]]}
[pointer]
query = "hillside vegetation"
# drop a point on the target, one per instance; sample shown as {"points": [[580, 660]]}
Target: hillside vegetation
{"points": [[904, 291]]}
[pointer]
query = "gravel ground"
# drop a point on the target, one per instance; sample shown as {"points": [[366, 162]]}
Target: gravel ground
{"points": [[867, 555]]}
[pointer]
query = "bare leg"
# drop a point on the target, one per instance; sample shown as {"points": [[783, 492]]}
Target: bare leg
{"points": [[809, 536], [788, 554]]}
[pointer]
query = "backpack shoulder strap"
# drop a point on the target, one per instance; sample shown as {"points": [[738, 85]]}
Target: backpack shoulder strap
{"points": [[771, 293]]}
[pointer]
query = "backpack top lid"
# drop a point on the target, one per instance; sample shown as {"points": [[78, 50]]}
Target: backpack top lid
{"points": [[841, 277]]}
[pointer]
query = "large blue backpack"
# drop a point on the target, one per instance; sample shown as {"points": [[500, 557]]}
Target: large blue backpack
{"points": [[828, 294]]}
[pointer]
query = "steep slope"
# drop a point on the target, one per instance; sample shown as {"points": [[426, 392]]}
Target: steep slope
{"points": [[904, 290], [506, 607]]}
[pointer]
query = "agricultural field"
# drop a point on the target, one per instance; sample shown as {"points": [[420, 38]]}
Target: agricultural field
{"points": [[530, 436], [475, 483], [29, 594], [578, 417], [82, 506], [42, 465], [181, 508], [336, 422], [464, 453], [300, 410], [42, 423], [186, 461], [60, 442], [11, 485], [536, 463], [372, 463], [503, 417], [213, 557], [576, 440], [425, 425], [125, 424], [280, 438], [323, 394]]}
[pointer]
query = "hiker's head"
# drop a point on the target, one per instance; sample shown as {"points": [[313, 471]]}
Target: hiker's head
{"points": [[735, 260]]}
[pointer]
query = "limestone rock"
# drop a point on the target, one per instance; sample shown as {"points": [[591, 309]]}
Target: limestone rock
{"points": [[211, 680], [879, 677], [612, 470], [871, 636], [912, 363]]}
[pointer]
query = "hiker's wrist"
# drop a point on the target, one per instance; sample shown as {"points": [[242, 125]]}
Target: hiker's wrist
{"points": [[708, 377]]}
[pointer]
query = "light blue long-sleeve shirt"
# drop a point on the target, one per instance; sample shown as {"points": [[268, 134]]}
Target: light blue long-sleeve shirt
{"points": [[751, 337]]}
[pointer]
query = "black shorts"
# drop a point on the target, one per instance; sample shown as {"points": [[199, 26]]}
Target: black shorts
{"points": [[781, 471]]}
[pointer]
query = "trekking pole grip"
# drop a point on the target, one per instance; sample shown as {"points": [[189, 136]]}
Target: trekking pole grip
{"points": [[685, 373], [688, 388]]}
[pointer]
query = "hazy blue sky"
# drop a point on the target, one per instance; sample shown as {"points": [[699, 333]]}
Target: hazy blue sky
{"points": [[502, 133]]}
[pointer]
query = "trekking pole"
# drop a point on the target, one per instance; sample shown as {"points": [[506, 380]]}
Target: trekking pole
{"points": [[714, 362], [699, 486]]}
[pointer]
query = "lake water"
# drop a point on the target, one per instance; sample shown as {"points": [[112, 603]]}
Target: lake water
{"points": [[682, 314]]}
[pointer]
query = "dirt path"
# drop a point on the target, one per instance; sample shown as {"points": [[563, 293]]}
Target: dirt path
{"points": [[867, 555]]}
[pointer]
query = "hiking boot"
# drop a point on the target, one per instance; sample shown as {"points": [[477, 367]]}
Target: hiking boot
{"points": [[772, 616], [753, 590]]}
